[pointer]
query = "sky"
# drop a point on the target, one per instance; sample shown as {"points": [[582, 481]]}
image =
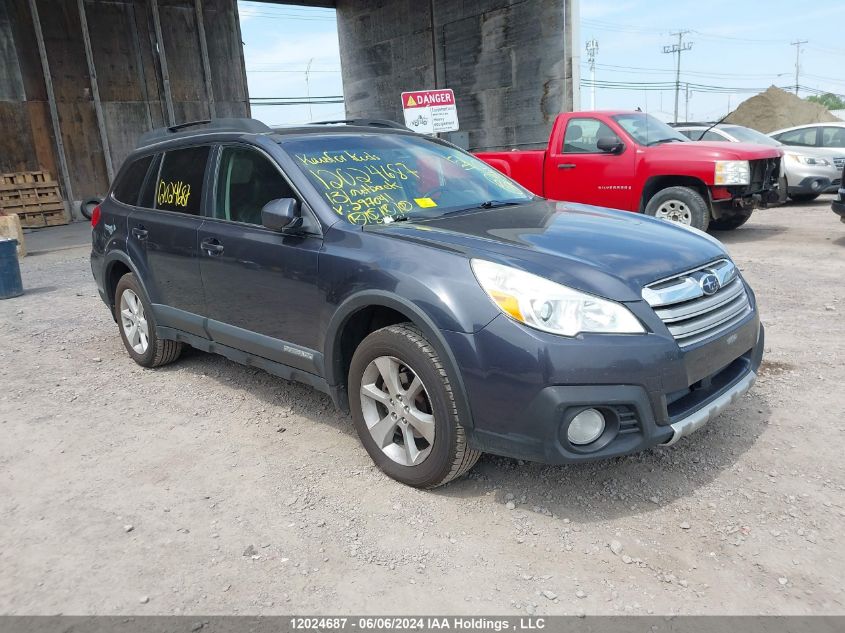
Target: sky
{"points": [[738, 48]]}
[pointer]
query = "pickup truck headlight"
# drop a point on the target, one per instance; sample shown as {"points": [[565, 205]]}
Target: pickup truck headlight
{"points": [[732, 172], [551, 307], [808, 160]]}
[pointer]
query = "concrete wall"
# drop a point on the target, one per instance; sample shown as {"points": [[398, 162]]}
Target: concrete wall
{"points": [[508, 61], [128, 65]]}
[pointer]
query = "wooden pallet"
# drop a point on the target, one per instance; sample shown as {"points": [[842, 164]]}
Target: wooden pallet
{"points": [[25, 177], [34, 197]]}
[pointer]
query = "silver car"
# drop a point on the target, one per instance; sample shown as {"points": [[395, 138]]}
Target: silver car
{"points": [[826, 140], [809, 171]]}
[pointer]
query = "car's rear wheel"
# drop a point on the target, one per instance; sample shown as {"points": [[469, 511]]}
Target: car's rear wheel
{"points": [[803, 197], [729, 222], [136, 322], [680, 204], [404, 409]]}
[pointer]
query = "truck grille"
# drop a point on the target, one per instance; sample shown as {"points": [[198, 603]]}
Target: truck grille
{"points": [[691, 314], [764, 174]]}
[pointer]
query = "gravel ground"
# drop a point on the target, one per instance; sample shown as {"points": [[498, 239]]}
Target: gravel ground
{"points": [[208, 487]]}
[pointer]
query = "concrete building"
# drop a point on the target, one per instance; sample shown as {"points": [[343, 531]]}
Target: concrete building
{"points": [[510, 62]]}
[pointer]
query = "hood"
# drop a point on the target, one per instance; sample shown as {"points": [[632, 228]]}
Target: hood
{"points": [[612, 254], [714, 150]]}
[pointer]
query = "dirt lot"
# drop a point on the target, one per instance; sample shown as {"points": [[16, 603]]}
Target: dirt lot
{"points": [[208, 487]]}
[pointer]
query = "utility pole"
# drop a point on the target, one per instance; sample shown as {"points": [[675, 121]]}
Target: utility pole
{"points": [[686, 105], [797, 45], [677, 49], [592, 51], [308, 88]]}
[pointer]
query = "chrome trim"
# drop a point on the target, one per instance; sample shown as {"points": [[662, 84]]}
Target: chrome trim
{"points": [[685, 286], [699, 418]]}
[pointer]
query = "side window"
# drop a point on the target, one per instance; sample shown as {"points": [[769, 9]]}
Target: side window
{"points": [[711, 136], [691, 134], [833, 136], [582, 136], [804, 138], [148, 190], [131, 179], [246, 181], [179, 185]]}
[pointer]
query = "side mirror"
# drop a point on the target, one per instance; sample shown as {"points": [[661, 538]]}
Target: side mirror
{"points": [[281, 214], [610, 144]]}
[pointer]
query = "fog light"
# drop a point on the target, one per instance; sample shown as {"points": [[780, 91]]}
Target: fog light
{"points": [[586, 427]]}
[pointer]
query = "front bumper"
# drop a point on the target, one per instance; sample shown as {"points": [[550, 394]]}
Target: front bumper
{"points": [[811, 179], [525, 387]]}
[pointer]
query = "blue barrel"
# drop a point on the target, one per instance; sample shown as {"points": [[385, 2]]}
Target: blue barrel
{"points": [[10, 270]]}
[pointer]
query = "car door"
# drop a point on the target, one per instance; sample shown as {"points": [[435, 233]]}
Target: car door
{"points": [[261, 285], [578, 171], [162, 237]]}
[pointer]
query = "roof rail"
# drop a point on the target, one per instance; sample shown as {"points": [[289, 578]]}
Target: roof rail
{"points": [[216, 125], [364, 123]]}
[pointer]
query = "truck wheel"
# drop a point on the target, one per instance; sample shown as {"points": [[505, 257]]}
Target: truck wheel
{"points": [[729, 222], [680, 204], [803, 197], [137, 326], [404, 410]]}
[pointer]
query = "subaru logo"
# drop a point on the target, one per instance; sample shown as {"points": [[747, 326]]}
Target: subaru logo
{"points": [[710, 284]]}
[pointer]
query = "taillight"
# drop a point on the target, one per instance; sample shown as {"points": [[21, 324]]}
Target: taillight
{"points": [[95, 216]]}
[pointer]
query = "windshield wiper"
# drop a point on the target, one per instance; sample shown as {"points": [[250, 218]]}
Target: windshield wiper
{"points": [[489, 204], [665, 140]]}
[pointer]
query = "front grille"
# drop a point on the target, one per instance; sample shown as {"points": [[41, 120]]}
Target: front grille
{"points": [[692, 315], [764, 174], [839, 161]]}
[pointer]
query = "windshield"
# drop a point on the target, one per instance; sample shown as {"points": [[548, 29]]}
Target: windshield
{"points": [[646, 130], [747, 135], [378, 178]]}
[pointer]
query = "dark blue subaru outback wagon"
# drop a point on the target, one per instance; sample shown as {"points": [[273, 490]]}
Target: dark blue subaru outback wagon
{"points": [[448, 309]]}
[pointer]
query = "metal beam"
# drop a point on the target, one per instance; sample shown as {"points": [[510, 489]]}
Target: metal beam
{"points": [[139, 63], [95, 90], [162, 62], [206, 67], [51, 99]]}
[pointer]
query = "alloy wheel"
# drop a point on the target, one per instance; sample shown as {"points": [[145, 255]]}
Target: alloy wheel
{"points": [[134, 321], [397, 410]]}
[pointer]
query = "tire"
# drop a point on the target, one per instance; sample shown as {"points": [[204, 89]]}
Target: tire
{"points": [[157, 352], [680, 201], [729, 222], [440, 450], [803, 197], [86, 207]]}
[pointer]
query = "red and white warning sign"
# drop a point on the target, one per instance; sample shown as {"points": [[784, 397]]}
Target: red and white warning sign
{"points": [[430, 111]]}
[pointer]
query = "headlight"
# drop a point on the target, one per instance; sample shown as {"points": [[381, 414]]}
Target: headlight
{"points": [[732, 172], [551, 307], [808, 160]]}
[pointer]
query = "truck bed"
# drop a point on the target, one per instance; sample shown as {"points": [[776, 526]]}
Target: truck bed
{"points": [[526, 167]]}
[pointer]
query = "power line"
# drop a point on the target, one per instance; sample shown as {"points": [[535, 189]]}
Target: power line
{"points": [[677, 49]]}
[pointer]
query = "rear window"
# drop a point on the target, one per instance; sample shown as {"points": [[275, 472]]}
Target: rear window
{"points": [[180, 180], [130, 180]]}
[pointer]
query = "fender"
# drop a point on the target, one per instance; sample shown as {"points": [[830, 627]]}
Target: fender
{"points": [[369, 298], [109, 260]]}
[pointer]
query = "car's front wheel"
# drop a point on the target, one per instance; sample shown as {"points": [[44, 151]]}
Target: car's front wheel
{"points": [[403, 406], [136, 322]]}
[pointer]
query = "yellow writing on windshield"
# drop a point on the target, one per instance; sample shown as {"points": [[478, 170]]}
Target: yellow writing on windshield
{"points": [[490, 174]]}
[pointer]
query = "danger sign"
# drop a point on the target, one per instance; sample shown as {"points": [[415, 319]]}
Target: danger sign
{"points": [[430, 111]]}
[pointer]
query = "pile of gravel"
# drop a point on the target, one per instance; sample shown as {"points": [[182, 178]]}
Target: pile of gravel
{"points": [[775, 109]]}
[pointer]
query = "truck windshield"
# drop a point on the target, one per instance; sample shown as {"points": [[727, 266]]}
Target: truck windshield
{"points": [[379, 178], [646, 130]]}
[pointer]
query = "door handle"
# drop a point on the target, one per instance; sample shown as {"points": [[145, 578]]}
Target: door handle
{"points": [[566, 165], [140, 232], [211, 246]]}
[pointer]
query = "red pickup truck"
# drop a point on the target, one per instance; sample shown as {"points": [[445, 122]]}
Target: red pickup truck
{"points": [[632, 161]]}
